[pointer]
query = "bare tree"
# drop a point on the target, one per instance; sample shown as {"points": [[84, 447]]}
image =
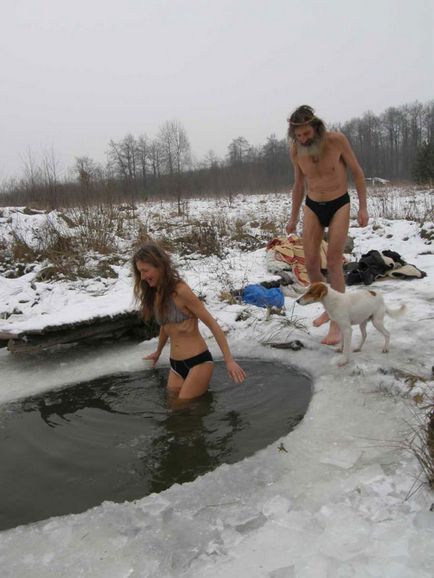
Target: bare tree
{"points": [[155, 156], [238, 151], [211, 160], [32, 180], [50, 178], [429, 122], [175, 147], [89, 174], [176, 155], [143, 160], [124, 156], [276, 161]]}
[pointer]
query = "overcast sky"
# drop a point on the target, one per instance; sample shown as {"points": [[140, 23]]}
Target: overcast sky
{"points": [[76, 74]]}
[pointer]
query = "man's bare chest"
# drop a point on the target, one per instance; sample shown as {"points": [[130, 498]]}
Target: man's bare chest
{"points": [[329, 163]]}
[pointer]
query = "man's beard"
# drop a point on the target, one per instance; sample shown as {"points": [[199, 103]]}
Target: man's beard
{"points": [[311, 148]]}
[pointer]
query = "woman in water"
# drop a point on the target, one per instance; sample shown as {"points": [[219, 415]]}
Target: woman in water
{"points": [[164, 295]]}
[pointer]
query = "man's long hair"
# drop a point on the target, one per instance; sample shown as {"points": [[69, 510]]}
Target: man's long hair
{"points": [[305, 115], [153, 254]]}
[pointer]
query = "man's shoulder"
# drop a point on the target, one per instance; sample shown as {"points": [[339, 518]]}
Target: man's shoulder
{"points": [[334, 137]]}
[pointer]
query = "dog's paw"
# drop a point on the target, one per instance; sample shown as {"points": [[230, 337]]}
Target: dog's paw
{"points": [[342, 361], [357, 349], [385, 350]]}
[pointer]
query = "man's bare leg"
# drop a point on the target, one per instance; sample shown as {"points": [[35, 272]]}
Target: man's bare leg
{"points": [[313, 234], [333, 336], [323, 318], [337, 236]]}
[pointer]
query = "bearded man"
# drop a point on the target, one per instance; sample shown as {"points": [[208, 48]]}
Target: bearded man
{"points": [[321, 159]]}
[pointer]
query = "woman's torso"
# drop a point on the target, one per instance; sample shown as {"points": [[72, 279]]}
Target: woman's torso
{"points": [[182, 328]]}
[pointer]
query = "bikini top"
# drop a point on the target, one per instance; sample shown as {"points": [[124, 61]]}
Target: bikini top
{"points": [[173, 314]]}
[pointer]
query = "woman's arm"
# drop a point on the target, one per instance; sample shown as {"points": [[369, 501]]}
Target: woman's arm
{"points": [[191, 302], [162, 339]]}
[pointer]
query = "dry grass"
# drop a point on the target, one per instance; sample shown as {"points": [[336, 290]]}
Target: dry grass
{"points": [[21, 251], [243, 239], [205, 238], [64, 250], [98, 226], [421, 442], [395, 204], [227, 297]]}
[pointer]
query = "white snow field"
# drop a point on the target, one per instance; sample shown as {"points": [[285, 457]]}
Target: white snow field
{"points": [[345, 500]]}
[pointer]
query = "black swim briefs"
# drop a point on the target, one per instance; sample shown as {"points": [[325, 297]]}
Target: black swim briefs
{"points": [[325, 210], [182, 366]]}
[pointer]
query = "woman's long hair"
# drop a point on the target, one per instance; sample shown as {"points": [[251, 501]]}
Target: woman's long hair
{"points": [[152, 254], [305, 115]]}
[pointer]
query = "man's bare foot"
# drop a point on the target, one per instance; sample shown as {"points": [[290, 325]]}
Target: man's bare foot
{"points": [[323, 318], [333, 337]]}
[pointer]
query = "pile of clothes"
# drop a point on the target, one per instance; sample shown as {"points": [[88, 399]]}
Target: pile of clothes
{"points": [[286, 254], [376, 265], [285, 258]]}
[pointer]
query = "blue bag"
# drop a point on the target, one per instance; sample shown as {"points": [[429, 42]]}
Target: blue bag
{"points": [[263, 297]]}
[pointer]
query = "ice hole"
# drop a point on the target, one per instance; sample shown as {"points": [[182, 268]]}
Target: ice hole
{"points": [[115, 438]]}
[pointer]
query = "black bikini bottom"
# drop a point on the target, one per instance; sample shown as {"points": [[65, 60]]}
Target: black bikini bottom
{"points": [[325, 210], [182, 366]]}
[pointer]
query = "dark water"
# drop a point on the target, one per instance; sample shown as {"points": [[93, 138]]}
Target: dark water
{"points": [[115, 438]]}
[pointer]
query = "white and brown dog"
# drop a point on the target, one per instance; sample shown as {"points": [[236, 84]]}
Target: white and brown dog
{"points": [[352, 308]]}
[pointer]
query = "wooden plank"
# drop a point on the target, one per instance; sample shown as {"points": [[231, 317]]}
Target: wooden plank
{"points": [[100, 328]]}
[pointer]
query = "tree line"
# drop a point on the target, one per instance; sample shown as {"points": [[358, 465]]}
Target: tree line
{"points": [[397, 144]]}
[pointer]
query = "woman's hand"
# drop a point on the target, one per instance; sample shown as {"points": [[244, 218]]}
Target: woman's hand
{"points": [[236, 373], [153, 357]]}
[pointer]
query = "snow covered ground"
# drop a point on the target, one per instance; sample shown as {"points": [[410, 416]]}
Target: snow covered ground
{"points": [[345, 499]]}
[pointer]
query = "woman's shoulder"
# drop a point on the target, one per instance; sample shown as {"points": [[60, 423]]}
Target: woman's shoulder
{"points": [[182, 289], [183, 297]]}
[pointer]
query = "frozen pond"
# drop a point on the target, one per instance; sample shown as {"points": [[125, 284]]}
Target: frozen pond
{"points": [[114, 438]]}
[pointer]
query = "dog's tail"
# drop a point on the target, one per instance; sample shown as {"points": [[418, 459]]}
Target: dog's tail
{"points": [[396, 313]]}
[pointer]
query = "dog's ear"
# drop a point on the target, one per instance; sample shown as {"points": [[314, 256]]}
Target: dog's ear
{"points": [[318, 290]]}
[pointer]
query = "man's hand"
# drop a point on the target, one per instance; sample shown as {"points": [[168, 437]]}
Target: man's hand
{"points": [[362, 217], [291, 226]]}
